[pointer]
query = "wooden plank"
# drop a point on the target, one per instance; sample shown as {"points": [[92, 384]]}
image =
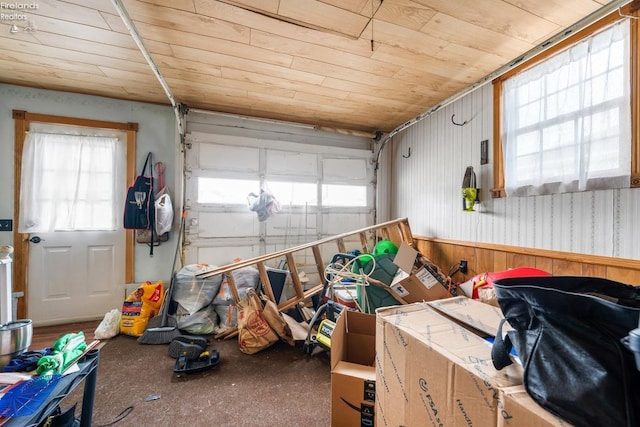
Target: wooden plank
{"points": [[566, 268], [206, 57], [624, 263], [295, 276], [323, 16], [631, 277], [20, 240], [544, 264], [364, 242], [273, 43], [454, 30], [266, 283], [147, 16], [320, 264], [594, 270], [406, 13], [513, 21]]}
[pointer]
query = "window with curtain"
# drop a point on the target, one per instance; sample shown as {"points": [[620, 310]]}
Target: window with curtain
{"points": [[567, 120], [68, 183]]}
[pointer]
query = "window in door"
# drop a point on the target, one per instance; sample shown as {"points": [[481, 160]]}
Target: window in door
{"points": [[68, 183]]}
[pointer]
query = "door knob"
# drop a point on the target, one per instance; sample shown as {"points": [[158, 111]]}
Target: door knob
{"points": [[35, 239]]}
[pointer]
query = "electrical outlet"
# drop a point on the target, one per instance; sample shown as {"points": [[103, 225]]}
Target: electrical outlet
{"points": [[463, 266], [6, 224]]}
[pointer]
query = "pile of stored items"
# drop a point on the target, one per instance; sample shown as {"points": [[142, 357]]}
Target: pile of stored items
{"points": [[408, 346]]}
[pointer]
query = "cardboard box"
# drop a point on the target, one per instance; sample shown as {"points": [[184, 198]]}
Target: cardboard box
{"points": [[353, 373], [518, 409], [482, 317], [415, 285], [434, 371]]}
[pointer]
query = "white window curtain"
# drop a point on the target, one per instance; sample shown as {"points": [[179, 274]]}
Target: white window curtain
{"points": [[68, 183], [567, 120]]}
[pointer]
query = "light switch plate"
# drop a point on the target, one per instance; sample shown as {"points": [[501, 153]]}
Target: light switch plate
{"points": [[484, 151], [6, 225]]}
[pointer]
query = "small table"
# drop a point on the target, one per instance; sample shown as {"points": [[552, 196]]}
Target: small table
{"points": [[88, 373]]}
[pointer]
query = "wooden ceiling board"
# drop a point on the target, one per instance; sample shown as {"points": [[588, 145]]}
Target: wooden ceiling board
{"points": [[74, 45], [296, 48], [211, 80], [386, 33], [269, 25], [216, 59], [267, 6], [504, 18], [210, 44], [433, 66], [71, 81], [285, 84], [320, 70], [560, 12], [76, 57], [484, 62], [82, 32], [170, 18], [362, 7], [455, 30], [69, 12], [409, 93], [30, 59], [404, 13], [324, 16]]}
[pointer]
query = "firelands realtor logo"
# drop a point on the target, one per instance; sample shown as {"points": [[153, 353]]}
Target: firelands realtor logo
{"points": [[17, 13]]}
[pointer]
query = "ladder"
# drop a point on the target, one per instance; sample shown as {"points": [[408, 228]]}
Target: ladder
{"points": [[321, 251]]}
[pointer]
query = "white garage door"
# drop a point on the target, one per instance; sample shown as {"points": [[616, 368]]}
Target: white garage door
{"points": [[323, 190]]}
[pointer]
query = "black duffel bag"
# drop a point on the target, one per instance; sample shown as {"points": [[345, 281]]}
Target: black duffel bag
{"points": [[567, 331]]}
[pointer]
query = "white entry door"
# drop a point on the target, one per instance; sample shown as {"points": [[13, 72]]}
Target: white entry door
{"points": [[76, 268]]}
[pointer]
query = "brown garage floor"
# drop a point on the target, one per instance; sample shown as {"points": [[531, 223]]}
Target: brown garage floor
{"points": [[280, 386]]}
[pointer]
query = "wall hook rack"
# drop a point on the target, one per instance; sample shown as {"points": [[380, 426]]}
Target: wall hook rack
{"points": [[458, 124]]}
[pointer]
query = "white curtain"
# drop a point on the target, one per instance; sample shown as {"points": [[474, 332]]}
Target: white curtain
{"points": [[567, 120], [68, 183]]}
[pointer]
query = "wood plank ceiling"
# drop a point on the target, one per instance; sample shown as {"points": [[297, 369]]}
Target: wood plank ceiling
{"points": [[322, 62]]}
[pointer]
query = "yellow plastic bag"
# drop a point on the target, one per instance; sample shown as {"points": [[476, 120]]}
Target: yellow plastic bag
{"points": [[140, 306]]}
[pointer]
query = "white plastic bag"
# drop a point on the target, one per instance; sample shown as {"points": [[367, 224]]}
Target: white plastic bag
{"points": [[164, 213], [264, 204], [110, 325]]}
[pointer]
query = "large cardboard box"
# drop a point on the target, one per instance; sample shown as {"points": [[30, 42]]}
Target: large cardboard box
{"points": [[353, 373], [518, 409], [483, 318], [432, 370], [415, 284]]}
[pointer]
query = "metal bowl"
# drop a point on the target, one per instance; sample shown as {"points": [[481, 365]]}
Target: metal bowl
{"points": [[15, 339]]}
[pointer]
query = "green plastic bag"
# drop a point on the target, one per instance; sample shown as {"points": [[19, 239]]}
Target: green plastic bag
{"points": [[66, 350]]}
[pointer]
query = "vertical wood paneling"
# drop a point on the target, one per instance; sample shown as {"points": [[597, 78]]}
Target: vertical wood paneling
{"points": [[428, 192], [544, 264], [490, 257]]}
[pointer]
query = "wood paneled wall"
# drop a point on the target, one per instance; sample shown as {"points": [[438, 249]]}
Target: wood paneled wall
{"points": [[484, 257]]}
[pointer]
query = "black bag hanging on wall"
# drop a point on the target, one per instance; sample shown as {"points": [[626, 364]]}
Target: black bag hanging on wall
{"points": [[139, 211], [567, 331]]}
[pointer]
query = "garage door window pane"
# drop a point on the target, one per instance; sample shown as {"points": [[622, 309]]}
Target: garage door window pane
{"points": [[226, 191], [344, 195], [294, 193]]}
